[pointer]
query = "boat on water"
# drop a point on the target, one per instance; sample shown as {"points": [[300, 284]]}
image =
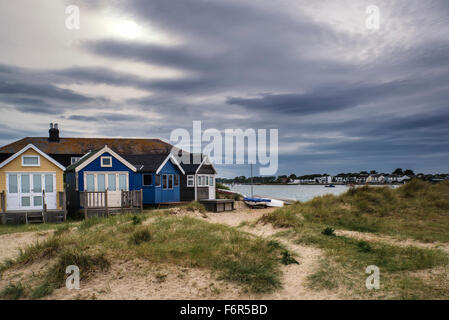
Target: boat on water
{"points": [[330, 186]]}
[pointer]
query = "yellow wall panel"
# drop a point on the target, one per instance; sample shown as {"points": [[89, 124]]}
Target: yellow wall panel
{"points": [[45, 166]]}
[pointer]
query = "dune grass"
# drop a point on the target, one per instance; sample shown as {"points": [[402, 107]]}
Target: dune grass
{"points": [[227, 252], [416, 210]]}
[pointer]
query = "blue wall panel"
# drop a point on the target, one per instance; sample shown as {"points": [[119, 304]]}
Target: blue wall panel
{"points": [[151, 194]]}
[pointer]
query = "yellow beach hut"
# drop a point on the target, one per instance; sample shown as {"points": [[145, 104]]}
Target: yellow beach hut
{"points": [[32, 188]]}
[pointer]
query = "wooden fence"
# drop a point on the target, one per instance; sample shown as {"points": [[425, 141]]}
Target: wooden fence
{"points": [[96, 203]]}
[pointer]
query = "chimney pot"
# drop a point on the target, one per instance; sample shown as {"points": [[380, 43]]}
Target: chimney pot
{"points": [[53, 133]]}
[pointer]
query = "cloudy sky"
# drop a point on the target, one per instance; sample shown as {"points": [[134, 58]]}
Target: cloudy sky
{"points": [[344, 97]]}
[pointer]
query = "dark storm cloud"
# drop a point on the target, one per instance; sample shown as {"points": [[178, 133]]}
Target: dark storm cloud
{"points": [[34, 92], [112, 117]]}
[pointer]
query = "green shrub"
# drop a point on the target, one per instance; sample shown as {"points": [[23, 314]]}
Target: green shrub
{"points": [[140, 236], [12, 291], [364, 246], [282, 218], [195, 206], [88, 223], [136, 220], [62, 230], [328, 231], [287, 258]]}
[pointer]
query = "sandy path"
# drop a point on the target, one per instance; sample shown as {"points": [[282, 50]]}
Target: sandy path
{"points": [[139, 280], [11, 243], [294, 276], [391, 240]]}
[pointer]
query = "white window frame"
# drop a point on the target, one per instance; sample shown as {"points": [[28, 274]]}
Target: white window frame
{"points": [[31, 165], [143, 180], [190, 181], [211, 181], [204, 180], [106, 182], [103, 165], [74, 160]]}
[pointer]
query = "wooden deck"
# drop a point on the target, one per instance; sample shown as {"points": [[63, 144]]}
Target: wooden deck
{"points": [[95, 204], [36, 215]]}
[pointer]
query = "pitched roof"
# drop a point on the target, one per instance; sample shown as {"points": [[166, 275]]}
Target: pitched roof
{"points": [[146, 162], [31, 146], [84, 145], [192, 167]]}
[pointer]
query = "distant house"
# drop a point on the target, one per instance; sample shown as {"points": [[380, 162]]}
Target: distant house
{"points": [[375, 178], [157, 175], [31, 183], [198, 182]]}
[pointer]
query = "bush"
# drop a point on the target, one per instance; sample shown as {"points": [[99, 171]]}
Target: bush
{"points": [[12, 292], [283, 218], [364, 246], [140, 236], [195, 206], [413, 187], [136, 220], [328, 232], [287, 258]]}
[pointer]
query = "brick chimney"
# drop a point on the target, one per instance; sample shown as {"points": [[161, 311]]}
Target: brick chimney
{"points": [[53, 133]]}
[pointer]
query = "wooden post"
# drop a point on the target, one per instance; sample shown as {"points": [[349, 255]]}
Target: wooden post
{"points": [[44, 207], [106, 202], [3, 204], [141, 200], [85, 204], [64, 204], [121, 201]]}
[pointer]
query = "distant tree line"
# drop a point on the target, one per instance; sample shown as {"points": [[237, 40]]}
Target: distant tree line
{"points": [[292, 177]]}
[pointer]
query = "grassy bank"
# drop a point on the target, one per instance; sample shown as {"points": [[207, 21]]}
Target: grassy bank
{"points": [[417, 210], [230, 254]]}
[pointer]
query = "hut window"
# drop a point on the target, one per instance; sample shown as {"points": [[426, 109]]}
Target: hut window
{"points": [[112, 183], [101, 182], [147, 180], [37, 183], [211, 181], [190, 181], [122, 182], [164, 181], [90, 183], [49, 183], [170, 181], [12, 183], [158, 181], [25, 183], [176, 180], [106, 162], [30, 161]]}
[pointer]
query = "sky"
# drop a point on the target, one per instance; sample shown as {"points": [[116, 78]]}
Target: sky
{"points": [[344, 97]]}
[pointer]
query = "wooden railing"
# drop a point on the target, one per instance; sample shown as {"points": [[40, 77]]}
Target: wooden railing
{"points": [[98, 200]]}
